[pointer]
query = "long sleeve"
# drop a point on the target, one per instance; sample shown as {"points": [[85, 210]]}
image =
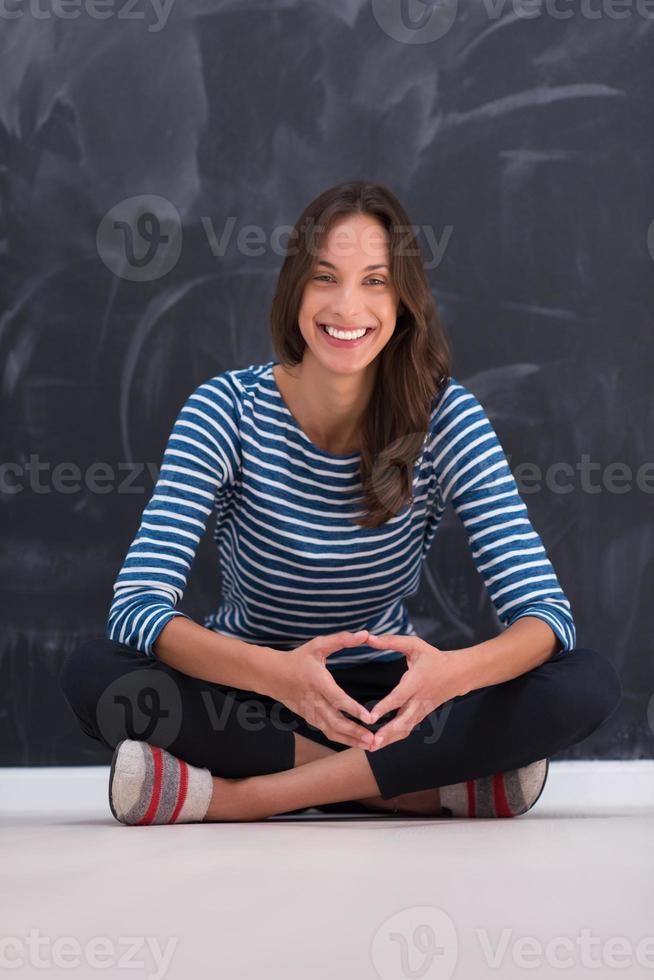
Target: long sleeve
{"points": [[201, 457], [474, 475]]}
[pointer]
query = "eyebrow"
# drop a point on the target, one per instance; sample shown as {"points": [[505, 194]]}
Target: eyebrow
{"points": [[367, 268]]}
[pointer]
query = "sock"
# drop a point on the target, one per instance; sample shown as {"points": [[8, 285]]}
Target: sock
{"points": [[148, 785], [504, 794]]}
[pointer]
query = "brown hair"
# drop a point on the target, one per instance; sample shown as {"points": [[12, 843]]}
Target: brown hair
{"points": [[414, 366]]}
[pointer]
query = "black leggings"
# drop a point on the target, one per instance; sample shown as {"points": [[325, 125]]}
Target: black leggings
{"points": [[116, 693]]}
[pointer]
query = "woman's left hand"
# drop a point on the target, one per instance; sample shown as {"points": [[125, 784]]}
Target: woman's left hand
{"points": [[432, 677]]}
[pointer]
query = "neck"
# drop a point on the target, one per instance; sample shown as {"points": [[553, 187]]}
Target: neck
{"points": [[329, 407]]}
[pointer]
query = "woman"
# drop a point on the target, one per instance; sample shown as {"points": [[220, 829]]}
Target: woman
{"points": [[329, 470]]}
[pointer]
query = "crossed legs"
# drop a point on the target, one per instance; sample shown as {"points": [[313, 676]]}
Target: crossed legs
{"points": [[259, 771], [320, 775]]}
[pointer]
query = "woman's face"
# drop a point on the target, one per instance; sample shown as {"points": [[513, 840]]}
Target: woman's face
{"points": [[346, 295]]}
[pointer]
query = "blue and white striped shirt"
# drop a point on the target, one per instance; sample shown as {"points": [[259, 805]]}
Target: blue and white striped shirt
{"points": [[294, 563]]}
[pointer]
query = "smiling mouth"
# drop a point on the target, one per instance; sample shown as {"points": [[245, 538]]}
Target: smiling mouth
{"points": [[343, 330]]}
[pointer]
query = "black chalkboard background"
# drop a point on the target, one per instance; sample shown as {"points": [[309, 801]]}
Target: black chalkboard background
{"points": [[523, 145]]}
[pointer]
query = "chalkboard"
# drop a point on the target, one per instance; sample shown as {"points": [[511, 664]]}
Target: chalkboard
{"points": [[521, 146]]}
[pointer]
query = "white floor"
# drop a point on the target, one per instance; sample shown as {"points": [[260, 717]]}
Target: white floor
{"points": [[566, 889]]}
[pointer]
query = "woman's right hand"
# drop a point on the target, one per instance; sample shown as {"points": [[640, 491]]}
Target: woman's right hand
{"points": [[303, 683]]}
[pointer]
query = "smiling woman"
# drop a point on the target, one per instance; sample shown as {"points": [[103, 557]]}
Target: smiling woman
{"points": [[328, 471], [356, 328]]}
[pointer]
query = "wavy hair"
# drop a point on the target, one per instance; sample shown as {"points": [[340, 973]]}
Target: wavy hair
{"points": [[413, 367]]}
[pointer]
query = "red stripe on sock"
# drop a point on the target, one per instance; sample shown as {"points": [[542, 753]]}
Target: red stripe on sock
{"points": [[157, 758], [502, 808], [470, 785], [181, 792]]}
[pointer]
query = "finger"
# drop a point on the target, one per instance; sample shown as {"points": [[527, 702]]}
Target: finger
{"points": [[340, 699], [391, 640], [336, 641], [346, 731], [394, 699], [342, 729], [400, 727]]}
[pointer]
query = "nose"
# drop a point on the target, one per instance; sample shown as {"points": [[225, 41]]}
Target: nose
{"points": [[348, 303]]}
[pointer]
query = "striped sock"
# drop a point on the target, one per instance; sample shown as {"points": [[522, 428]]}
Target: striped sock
{"points": [[148, 785], [504, 794]]}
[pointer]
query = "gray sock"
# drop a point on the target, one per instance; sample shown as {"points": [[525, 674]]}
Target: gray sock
{"points": [[504, 794], [148, 785]]}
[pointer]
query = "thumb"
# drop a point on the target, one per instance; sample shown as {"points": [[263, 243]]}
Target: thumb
{"points": [[336, 641]]}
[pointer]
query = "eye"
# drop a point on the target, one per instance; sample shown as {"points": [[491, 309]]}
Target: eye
{"points": [[372, 279]]}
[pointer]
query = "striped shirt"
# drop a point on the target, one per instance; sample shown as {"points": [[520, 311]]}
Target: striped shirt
{"points": [[294, 563]]}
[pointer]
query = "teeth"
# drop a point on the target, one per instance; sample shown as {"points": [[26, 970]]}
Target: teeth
{"points": [[344, 334]]}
